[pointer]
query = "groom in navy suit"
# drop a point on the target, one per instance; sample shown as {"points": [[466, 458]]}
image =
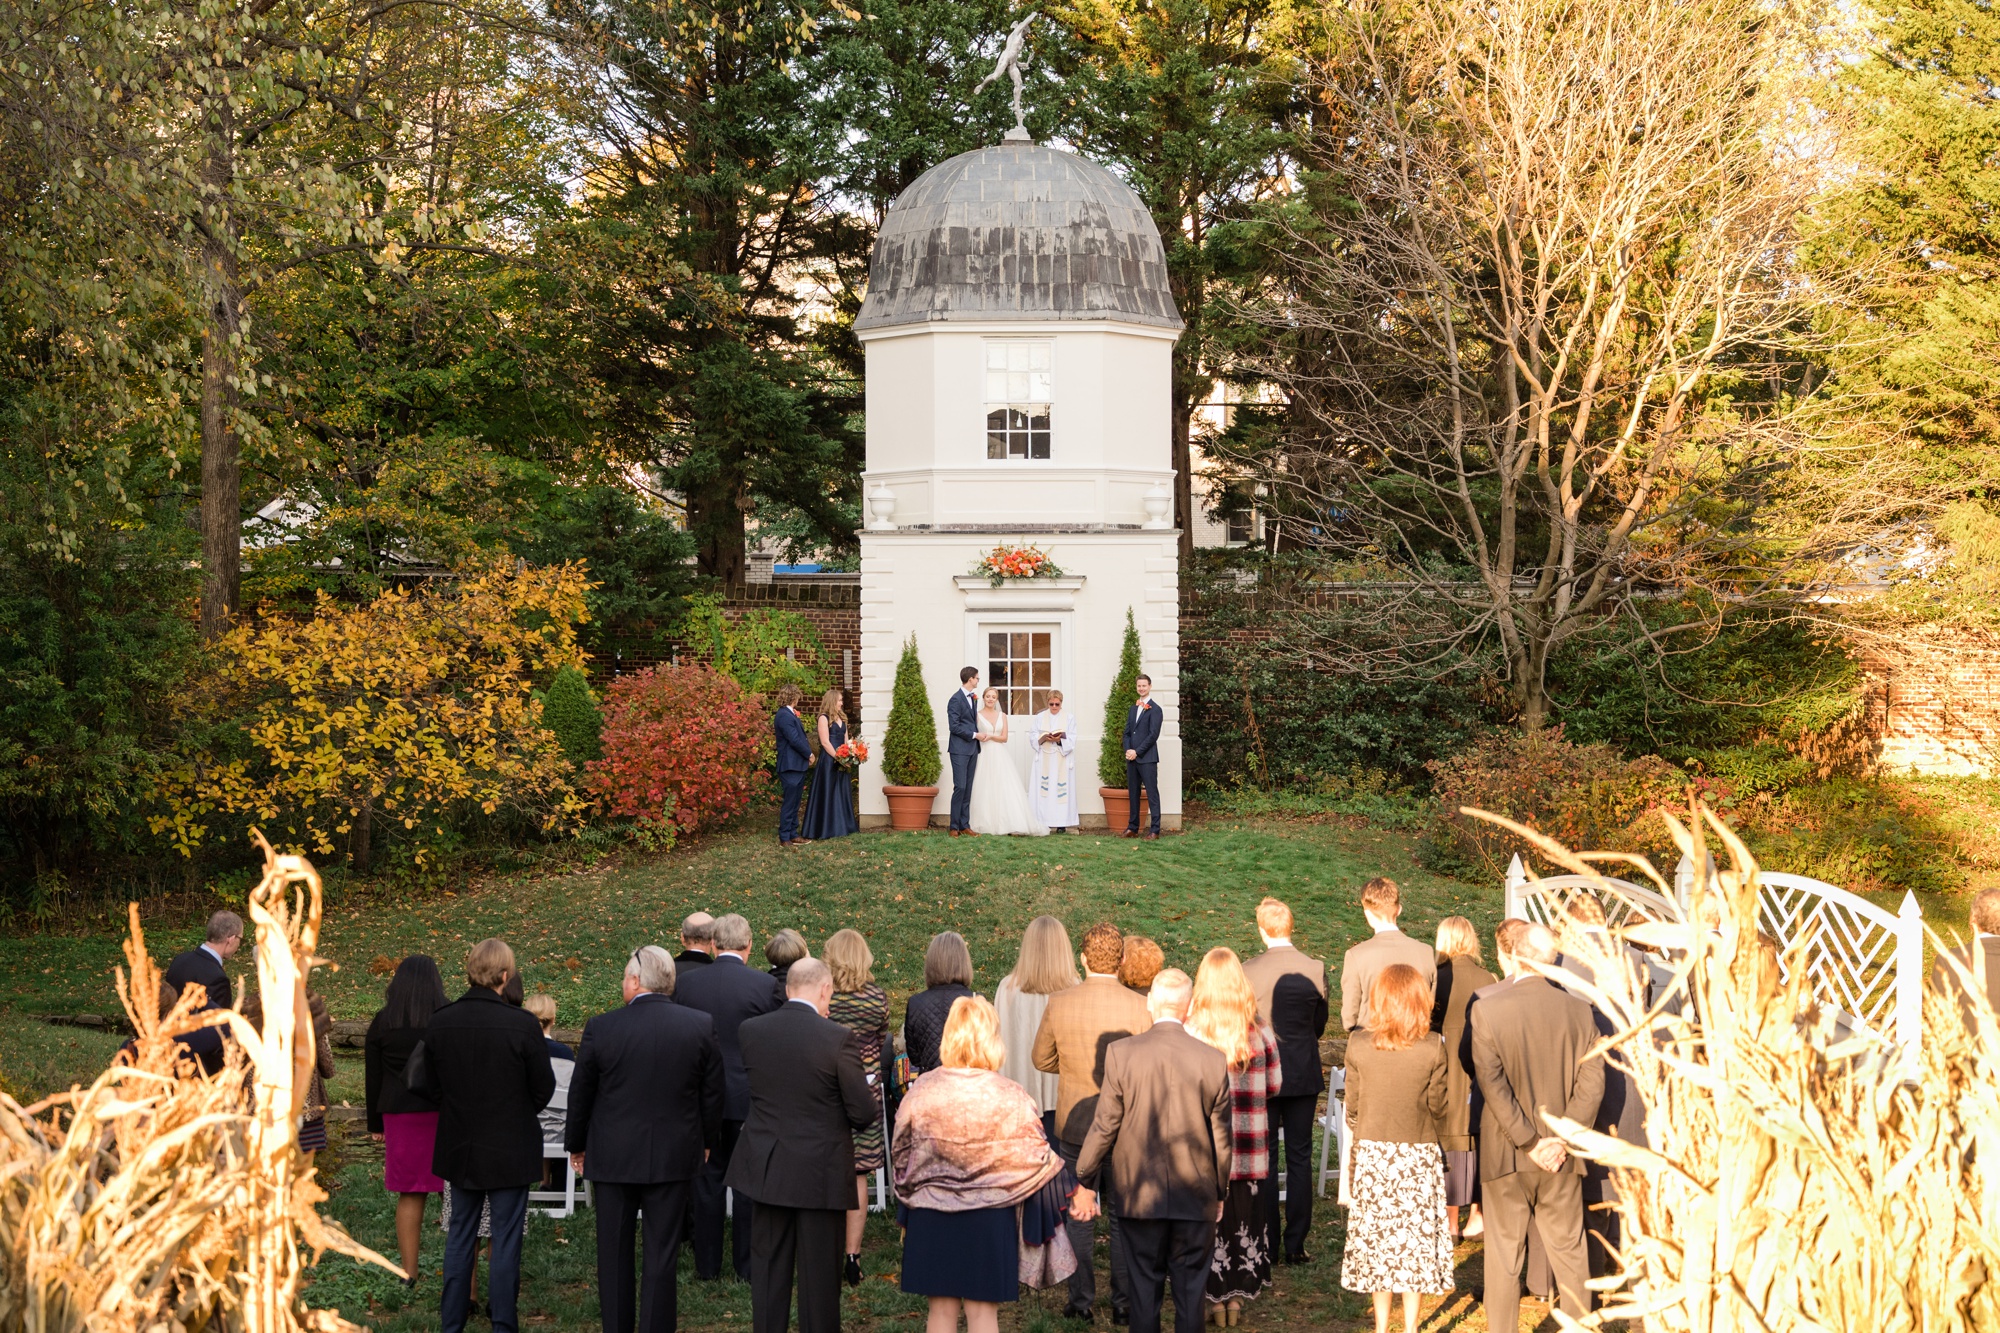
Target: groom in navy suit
{"points": [[795, 759], [1142, 758], [961, 719]]}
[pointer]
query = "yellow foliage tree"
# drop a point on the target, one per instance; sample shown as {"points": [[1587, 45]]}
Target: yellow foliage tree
{"points": [[415, 707]]}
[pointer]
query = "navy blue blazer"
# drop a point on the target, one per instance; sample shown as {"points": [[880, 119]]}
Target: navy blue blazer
{"points": [[1142, 733], [961, 719], [794, 751]]}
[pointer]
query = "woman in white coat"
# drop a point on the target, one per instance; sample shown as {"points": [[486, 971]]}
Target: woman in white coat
{"points": [[1052, 776]]}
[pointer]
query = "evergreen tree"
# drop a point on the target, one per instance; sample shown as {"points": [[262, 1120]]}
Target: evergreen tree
{"points": [[910, 756], [1124, 689], [569, 709]]}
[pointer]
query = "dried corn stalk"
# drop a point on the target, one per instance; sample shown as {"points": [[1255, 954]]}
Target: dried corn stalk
{"points": [[1795, 1177], [158, 1199]]}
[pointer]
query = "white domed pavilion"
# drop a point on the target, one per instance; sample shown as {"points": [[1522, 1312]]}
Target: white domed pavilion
{"points": [[1019, 332]]}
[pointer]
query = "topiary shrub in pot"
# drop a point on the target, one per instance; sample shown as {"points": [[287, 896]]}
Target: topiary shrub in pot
{"points": [[910, 758]]}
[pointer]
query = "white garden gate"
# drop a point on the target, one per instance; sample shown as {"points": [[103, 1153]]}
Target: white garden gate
{"points": [[1866, 963]]}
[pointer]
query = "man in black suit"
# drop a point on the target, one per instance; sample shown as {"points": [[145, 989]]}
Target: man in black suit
{"points": [[1531, 1043], [795, 759], [203, 966], [488, 1069], [729, 991], [697, 942], [1290, 987], [645, 1110], [961, 721], [796, 1157], [1161, 1132], [1142, 759]]}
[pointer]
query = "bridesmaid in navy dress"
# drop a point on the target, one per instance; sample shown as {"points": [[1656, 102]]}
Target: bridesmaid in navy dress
{"points": [[830, 803]]}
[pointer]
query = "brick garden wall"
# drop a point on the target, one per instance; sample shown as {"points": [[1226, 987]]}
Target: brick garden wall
{"points": [[1933, 701], [833, 606]]}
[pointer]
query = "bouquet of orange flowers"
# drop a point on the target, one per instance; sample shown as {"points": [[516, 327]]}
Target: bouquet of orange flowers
{"points": [[1016, 562], [851, 754]]}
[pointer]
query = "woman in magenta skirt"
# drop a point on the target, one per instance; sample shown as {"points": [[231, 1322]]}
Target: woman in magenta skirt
{"points": [[404, 1123]]}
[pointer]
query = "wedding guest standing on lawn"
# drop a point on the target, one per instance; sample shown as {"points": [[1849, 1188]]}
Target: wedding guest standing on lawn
{"points": [[969, 1149], [830, 806], [645, 1108], [1224, 1014], [782, 950], [731, 992], [795, 761], [1397, 1239], [796, 1158], [1459, 973], [203, 966], [947, 977], [1161, 1141], [1141, 961], [1078, 1027], [1381, 904], [1044, 966], [1531, 1052], [404, 1121], [697, 943], [862, 1007], [1980, 958], [1291, 997], [488, 1068]]}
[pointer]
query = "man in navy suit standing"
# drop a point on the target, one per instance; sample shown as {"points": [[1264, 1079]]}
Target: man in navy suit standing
{"points": [[1142, 758], [961, 719], [795, 759]]}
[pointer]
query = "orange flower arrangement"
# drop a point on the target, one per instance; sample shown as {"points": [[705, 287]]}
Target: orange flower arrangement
{"points": [[1016, 562]]}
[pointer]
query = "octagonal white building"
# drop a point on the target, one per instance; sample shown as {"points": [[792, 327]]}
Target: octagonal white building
{"points": [[1019, 333]]}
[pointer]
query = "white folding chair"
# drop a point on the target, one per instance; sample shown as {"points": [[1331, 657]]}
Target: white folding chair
{"points": [[561, 1202], [883, 1194], [1333, 1130]]}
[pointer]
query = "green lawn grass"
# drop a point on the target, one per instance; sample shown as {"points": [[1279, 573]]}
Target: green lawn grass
{"points": [[572, 932], [37, 1059]]}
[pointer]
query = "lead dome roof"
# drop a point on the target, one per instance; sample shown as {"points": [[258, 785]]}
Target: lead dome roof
{"points": [[1017, 231]]}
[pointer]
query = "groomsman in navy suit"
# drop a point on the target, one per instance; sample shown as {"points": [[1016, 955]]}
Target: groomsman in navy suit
{"points": [[795, 759], [1142, 758], [961, 719]]}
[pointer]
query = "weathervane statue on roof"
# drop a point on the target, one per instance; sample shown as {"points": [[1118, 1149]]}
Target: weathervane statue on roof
{"points": [[1012, 56]]}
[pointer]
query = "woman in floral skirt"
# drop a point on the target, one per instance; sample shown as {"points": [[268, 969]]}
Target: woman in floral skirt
{"points": [[1224, 1014], [1397, 1237]]}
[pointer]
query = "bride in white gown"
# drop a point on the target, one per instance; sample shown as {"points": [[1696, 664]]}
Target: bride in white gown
{"points": [[999, 797]]}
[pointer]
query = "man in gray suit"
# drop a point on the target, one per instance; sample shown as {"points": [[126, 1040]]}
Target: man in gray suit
{"points": [[1382, 904], [1161, 1137], [1531, 1042]]}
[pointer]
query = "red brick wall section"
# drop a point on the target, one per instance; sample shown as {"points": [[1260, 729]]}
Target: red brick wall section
{"points": [[1933, 701], [833, 608]]}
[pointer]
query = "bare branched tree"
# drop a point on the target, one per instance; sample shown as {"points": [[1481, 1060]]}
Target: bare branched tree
{"points": [[1542, 325]]}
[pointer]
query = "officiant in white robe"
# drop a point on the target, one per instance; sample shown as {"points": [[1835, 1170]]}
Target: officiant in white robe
{"points": [[1052, 777]]}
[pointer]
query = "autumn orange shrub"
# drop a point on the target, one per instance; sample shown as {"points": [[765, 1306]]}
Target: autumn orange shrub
{"points": [[413, 711], [685, 748]]}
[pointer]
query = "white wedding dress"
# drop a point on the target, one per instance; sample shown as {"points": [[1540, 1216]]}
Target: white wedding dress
{"points": [[999, 797]]}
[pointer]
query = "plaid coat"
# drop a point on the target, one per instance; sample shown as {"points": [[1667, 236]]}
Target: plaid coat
{"points": [[1249, 1123]]}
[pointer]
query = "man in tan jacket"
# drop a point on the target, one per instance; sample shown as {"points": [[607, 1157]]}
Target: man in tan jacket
{"points": [[1077, 1029], [1382, 904]]}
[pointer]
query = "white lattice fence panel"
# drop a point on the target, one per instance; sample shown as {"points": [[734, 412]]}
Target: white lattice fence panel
{"points": [[1544, 901], [1854, 951]]}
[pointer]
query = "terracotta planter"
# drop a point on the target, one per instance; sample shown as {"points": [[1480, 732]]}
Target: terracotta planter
{"points": [[1118, 809], [909, 807]]}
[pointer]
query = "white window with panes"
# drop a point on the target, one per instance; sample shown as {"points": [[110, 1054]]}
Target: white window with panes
{"points": [[1020, 663], [1020, 383]]}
